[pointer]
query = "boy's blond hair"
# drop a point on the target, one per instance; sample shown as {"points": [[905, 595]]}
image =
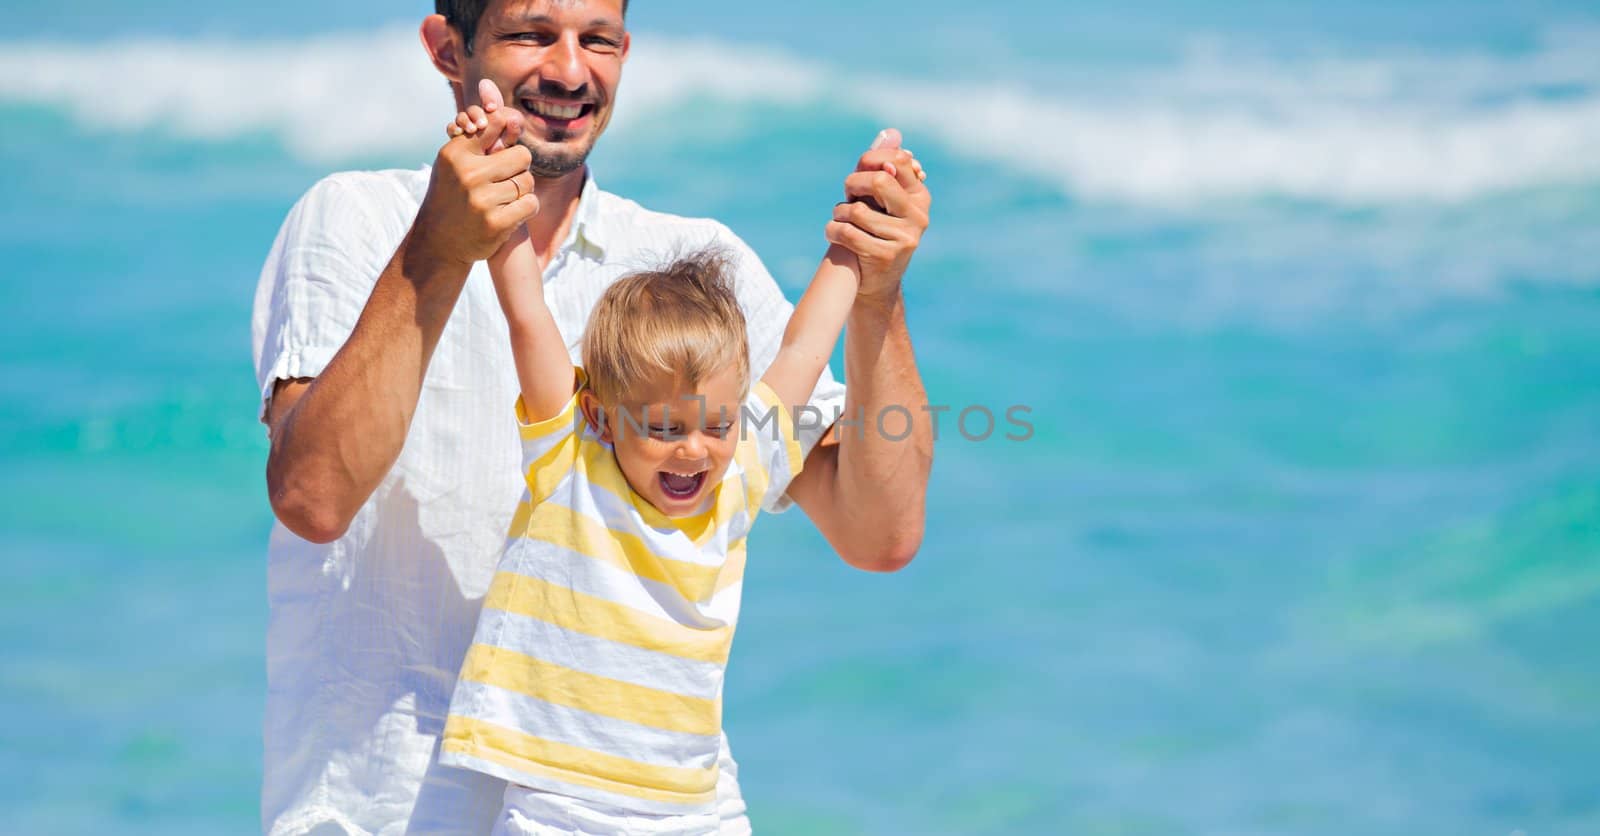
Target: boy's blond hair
{"points": [[682, 319]]}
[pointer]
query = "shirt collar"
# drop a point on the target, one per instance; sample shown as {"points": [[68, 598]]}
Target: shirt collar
{"points": [[588, 229]]}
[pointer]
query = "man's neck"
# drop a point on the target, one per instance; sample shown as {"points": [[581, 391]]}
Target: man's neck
{"points": [[558, 207]]}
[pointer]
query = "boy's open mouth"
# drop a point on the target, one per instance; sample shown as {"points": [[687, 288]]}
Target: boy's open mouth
{"points": [[680, 486]]}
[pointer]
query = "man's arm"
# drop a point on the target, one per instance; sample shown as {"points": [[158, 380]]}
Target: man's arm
{"points": [[864, 491], [867, 493], [335, 437]]}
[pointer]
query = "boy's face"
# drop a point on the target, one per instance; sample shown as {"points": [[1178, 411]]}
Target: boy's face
{"points": [[674, 441]]}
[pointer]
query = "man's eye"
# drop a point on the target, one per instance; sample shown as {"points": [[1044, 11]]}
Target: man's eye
{"points": [[529, 37], [601, 43], [719, 431]]}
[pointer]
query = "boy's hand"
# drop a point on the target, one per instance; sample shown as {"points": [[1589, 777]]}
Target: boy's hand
{"points": [[884, 214]]}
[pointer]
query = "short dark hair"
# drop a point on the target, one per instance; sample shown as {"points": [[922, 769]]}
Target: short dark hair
{"points": [[464, 15]]}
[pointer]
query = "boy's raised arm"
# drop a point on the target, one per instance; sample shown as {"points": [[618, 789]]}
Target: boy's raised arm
{"points": [[814, 328], [544, 369], [816, 323]]}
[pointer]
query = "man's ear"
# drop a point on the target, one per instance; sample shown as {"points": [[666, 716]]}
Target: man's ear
{"points": [[444, 47], [595, 414]]}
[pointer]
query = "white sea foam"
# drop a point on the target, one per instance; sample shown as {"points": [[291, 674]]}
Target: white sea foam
{"points": [[331, 98], [1220, 124]]}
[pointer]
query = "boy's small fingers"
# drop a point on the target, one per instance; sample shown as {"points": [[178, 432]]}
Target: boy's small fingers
{"points": [[905, 169]]}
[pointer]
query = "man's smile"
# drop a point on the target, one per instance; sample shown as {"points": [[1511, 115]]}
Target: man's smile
{"points": [[557, 114]]}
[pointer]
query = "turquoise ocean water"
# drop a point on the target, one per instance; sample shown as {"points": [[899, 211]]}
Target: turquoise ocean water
{"points": [[1305, 302]]}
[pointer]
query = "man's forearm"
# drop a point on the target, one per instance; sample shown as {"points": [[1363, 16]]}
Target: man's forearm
{"points": [[332, 446], [867, 495], [884, 463]]}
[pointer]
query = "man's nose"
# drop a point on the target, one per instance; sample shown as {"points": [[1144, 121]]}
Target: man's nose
{"points": [[563, 65]]}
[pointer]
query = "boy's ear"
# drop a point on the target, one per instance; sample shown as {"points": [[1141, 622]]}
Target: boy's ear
{"points": [[595, 414], [444, 47]]}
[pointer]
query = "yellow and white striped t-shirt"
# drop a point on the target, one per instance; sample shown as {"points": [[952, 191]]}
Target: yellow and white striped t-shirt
{"points": [[596, 668]]}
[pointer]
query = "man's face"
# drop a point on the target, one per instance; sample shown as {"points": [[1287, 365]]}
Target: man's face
{"points": [[557, 62]]}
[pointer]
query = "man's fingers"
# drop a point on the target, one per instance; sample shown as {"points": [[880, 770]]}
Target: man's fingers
{"points": [[503, 165], [855, 239], [881, 188], [518, 186], [475, 169], [490, 138], [489, 94], [516, 212], [513, 127], [878, 224], [883, 158], [525, 182], [875, 157], [887, 138]]}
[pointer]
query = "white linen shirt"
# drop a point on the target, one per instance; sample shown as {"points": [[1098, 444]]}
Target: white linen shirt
{"points": [[367, 633]]}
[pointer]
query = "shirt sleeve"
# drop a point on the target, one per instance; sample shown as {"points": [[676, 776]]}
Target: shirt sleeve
{"points": [[549, 447], [327, 256], [766, 314], [767, 431]]}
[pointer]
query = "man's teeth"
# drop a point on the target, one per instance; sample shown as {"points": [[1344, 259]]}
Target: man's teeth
{"points": [[555, 111]]}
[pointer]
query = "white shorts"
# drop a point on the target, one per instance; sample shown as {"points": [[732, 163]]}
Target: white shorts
{"points": [[531, 812]]}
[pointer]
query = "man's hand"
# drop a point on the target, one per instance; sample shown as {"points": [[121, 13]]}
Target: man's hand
{"points": [[515, 266], [481, 191], [884, 215]]}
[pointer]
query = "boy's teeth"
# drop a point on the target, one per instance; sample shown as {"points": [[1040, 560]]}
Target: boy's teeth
{"points": [[678, 483]]}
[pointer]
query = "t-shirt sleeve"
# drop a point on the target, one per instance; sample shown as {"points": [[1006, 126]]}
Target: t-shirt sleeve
{"points": [[327, 256], [549, 447], [766, 314], [773, 448]]}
